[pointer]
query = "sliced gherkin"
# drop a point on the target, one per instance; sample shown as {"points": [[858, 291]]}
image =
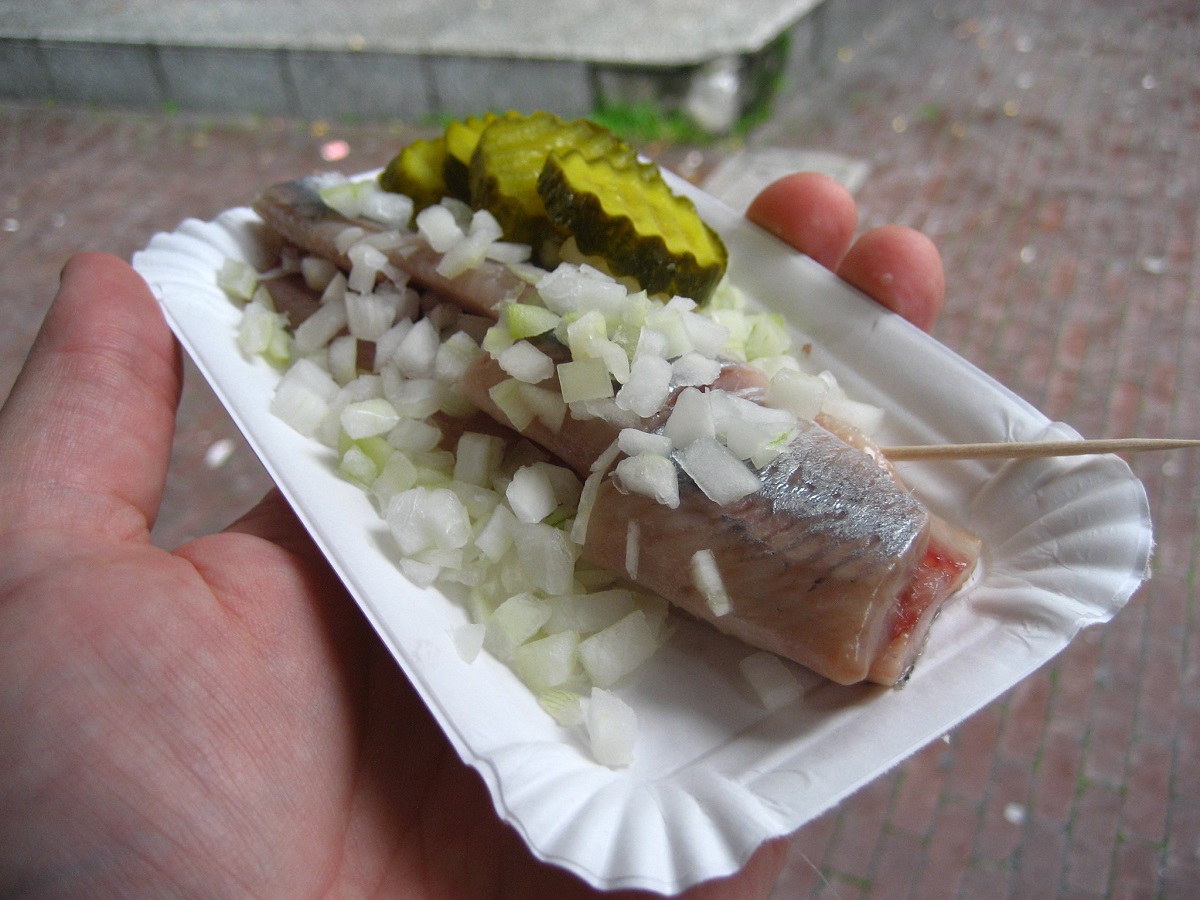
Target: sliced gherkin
{"points": [[627, 214], [461, 138], [508, 158], [416, 171]]}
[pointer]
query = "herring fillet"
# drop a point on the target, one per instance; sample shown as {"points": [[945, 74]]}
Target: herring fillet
{"points": [[833, 564]]}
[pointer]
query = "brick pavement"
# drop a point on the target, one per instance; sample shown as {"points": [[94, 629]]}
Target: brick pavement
{"points": [[1052, 149]]}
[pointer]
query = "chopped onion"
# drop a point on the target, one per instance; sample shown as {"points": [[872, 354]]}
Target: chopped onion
{"points": [[707, 578], [634, 441], [613, 652], [547, 662], [694, 370], [369, 418], [319, 329], [237, 279], [633, 548], [772, 682], [611, 727], [589, 613], [437, 224], [584, 379], [530, 494], [303, 396], [650, 475], [565, 706], [514, 622], [420, 518], [416, 357], [722, 476], [691, 418], [477, 457], [527, 363], [648, 386], [468, 640], [387, 208], [370, 315]]}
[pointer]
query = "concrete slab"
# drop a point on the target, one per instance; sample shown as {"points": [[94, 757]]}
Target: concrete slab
{"points": [[649, 32], [739, 177], [712, 60]]}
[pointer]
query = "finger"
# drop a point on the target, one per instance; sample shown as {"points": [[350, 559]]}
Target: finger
{"points": [[811, 212], [273, 520], [86, 433], [901, 269]]}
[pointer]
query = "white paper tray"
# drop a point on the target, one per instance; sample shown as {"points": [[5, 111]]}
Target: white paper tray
{"points": [[1067, 541]]}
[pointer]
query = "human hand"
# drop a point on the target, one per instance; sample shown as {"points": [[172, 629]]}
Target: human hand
{"points": [[895, 265], [218, 719]]}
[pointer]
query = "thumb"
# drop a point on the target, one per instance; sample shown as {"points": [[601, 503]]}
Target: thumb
{"points": [[86, 433]]}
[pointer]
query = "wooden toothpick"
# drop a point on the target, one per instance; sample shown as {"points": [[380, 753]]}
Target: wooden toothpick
{"points": [[1031, 449]]}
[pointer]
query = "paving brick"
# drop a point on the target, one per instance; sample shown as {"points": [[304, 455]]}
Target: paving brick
{"points": [[1057, 775], [1147, 792], [1093, 832], [921, 780], [1040, 871], [860, 829], [973, 743], [947, 858]]}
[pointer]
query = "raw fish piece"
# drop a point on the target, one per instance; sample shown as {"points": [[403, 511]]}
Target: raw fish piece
{"points": [[833, 563]]}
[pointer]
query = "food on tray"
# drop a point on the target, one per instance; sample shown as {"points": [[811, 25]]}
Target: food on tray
{"points": [[613, 439]]}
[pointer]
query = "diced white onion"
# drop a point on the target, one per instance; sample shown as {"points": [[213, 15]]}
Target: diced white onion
{"points": [[691, 418], [387, 208], [369, 418], [416, 357], [303, 396], [613, 652], [237, 279], [589, 613], [717, 472], [634, 441], [468, 640], [421, 518], [650, 475], [530, 494], [611, 727], [318, 329], [695, 370], [633, 548], [707, 578], [648, 386], [439, 227], [526, 362], [584, 379], [773, 683], [548, 662]]}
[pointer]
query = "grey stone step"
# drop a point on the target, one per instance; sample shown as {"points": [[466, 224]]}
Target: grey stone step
{"points": [[713, 60]]}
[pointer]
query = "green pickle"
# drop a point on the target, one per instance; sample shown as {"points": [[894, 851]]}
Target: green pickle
{"points": [[461, 140], [509, 158], [627, 214], [546, 180], [417, 172]]}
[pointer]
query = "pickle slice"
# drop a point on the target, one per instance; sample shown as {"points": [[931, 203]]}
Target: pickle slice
{"points": [[416, 171], [461, 138], [625, 213], [508, 158]]}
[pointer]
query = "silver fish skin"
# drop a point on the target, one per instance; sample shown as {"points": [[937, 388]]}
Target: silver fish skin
{"points": [[296, 212]]}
